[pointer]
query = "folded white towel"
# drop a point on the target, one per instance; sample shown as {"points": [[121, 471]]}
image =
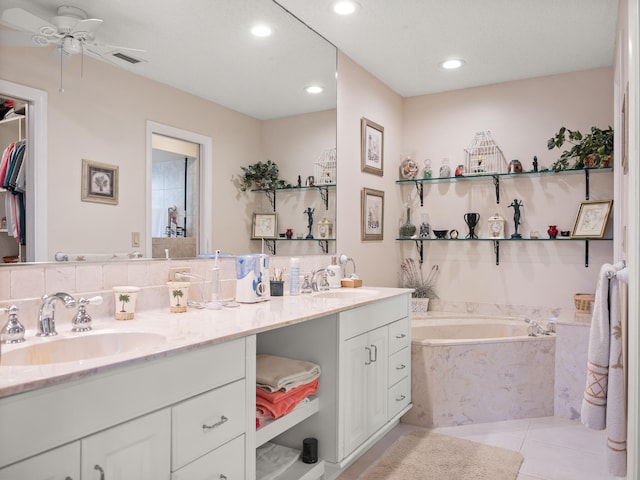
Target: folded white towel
{"points": [[273, 459], [275, 373]]}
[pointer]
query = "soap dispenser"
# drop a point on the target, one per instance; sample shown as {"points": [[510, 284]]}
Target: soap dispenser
{"points": [[334, 273]]}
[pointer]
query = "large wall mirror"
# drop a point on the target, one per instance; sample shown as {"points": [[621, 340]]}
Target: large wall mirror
{"points": [[191, 67]]}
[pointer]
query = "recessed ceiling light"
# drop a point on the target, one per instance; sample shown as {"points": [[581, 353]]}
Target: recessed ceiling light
{"points": [[345, 7], [313, 89], [452, 64], [261, 31]]}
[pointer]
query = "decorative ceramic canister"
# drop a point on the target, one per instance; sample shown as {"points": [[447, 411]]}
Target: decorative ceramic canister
{"points": [[445, 169], [178, 295], [125, 300]]}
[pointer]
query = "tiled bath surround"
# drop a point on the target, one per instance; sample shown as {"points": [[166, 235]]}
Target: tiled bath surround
{"points": [[24, 285]]}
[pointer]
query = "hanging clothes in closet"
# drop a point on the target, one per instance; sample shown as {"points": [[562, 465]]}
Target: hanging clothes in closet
{"points": [[12, 179]]}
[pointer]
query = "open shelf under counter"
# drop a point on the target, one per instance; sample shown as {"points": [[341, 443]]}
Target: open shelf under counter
{"points": [[303, 471], [275, 427]]}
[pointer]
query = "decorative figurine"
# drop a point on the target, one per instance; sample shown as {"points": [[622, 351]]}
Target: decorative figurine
{"points": [[426, 171], [472, 219], [535, 163], [459, 171], [516, 204], [299, 181], [309, 211], [445, 169]]}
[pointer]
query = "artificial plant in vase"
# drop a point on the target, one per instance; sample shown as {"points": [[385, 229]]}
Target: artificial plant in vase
{"points": [[423, 288], [261, 175], [593, 150]]}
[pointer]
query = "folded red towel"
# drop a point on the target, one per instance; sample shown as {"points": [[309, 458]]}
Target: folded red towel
{"points": [[280, 403]]}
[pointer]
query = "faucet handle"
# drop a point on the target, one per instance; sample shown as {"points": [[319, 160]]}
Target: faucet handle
{"points": [[13, 331], [82, 320]]}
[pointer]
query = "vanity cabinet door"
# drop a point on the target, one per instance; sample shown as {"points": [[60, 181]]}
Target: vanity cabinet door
{"points": [[62, 463], [134, 450], [364, 379]]}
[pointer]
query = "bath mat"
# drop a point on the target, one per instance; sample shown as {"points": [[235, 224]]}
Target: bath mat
{"points": [[433, 456]]}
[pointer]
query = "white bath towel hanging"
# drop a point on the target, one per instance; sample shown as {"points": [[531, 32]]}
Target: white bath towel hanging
{"points": [[603, 404]]}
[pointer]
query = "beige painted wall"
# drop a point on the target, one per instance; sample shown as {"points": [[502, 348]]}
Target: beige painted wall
{"points": [[521, 116], [362, 95]]}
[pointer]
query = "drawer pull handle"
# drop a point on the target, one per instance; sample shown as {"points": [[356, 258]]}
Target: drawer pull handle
{"points": [[368, 362], [223, 476], [401, 335], [375, 351], [222, 420], [401, 366], [400, 398], [99, 468]]}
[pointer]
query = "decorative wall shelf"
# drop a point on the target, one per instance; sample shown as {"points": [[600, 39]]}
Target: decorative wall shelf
{"points": [[322, 189], [496, 243], [496, 177], [271, 242]]}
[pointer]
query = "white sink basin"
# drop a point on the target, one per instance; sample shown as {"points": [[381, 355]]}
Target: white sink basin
{"points": [[346, 293], [82, 347]]}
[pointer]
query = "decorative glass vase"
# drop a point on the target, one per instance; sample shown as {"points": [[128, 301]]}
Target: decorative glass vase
{"points": [[408, 229]]}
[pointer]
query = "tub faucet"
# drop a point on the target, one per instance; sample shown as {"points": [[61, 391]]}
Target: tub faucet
{"points": [[46, 316], [539, 328]]}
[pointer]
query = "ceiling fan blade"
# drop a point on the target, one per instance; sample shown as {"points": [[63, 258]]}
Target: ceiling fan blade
{"points": [[23, 20], [84, 28], [115, 47]]}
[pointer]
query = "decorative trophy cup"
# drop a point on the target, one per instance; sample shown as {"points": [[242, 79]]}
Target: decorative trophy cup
{"points": [[472, 219]]}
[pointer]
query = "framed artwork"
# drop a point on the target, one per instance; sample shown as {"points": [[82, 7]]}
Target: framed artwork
{"points": [[372, 147], [99, 182], [592, 219], [372, 214], [265, 225]]}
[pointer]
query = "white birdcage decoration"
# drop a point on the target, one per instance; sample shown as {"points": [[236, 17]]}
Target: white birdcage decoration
{"points": [[325, 167], [484, 156]]}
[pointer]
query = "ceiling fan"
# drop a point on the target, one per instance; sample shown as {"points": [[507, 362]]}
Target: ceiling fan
{"points": [[71, 30]]}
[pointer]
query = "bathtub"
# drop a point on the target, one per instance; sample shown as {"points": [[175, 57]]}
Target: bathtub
{"points": [[476, 369]]}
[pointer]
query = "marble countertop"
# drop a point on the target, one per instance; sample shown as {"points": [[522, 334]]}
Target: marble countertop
{"points": [[182, 332]]}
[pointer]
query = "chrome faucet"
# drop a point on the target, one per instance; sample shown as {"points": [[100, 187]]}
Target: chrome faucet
{"points": [[46, 316], [539, 328], [322, 283]]}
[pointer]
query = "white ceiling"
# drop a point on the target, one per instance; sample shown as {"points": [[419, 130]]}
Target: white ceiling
{"points": [[203, 46]]}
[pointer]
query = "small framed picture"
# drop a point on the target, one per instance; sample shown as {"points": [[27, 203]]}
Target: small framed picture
{"points": [[372, 148], [99, 182], [265, 225], [592, 219], [372, 214]]}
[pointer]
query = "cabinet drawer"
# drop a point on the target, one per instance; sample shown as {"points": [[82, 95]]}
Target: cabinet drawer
{"points": [[399, 396], [369, 317], [226, 461], [399, 335], [205, 422], [399, 365]]}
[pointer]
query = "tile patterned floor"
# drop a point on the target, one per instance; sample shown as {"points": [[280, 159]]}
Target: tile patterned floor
{"points": [[554, 448]]}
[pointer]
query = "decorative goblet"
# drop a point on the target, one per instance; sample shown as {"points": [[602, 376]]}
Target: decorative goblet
{"points": [[472, 219]]}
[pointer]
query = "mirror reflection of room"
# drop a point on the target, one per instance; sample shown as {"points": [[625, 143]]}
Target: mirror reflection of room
{"points": [[174, 197]]}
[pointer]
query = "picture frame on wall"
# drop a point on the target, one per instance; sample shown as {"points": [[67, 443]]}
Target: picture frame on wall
{"points": [[372, 147], [99, 182], [265, 225], [591, 220], [372, 204]]}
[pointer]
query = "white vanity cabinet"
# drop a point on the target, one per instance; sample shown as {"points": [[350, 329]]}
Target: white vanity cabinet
{"points": [[136, 449], [62, 463], [121, 419], [363, 377]]}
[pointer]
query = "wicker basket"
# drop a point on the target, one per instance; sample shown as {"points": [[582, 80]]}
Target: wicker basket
{"points": [[584, 302]]}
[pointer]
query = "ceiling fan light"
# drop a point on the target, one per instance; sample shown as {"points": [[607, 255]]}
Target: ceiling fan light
{"points": [[71, 45], [451, 64]]}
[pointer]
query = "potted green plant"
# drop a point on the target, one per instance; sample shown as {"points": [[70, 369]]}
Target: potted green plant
{"points": [[423, 289], [261, 175], [593, 150]]}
